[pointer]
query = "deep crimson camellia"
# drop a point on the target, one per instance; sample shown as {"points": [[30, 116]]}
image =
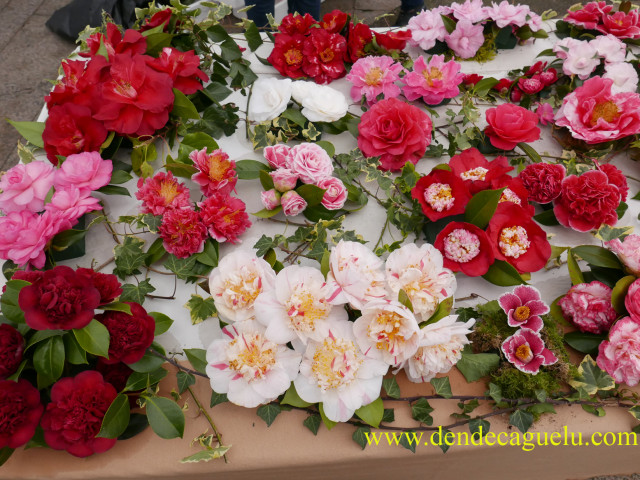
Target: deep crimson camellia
{"points": [[617, 178], [182, 67], [130, 335], [116, 374], [80, 84], [323, 56], [510, 124], [107, 284], [472, 79], [465, 248], [286, 56], [393, 40], [20, 412], [133, 42], [334, 21], [137, 98], [70, 129], [360, 35], [441, 194], [74, 416], [516, 238], [543, 181], [292, 24], [60, 299], [476, 171], [11, 348], [163, 17]]}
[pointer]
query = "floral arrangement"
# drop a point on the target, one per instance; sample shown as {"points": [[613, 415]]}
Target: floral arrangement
{"points": [[600, 18]]}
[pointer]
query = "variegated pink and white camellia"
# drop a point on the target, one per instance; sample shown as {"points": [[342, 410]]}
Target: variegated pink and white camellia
{"points": [[337, 373], [420, 273], [628, 251], [297, 308], [523, 308], [525, 349], [236, 283], [250, 369], [619, 355], [387, 330]]}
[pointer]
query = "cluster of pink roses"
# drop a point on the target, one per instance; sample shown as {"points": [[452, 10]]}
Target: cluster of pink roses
{"points": [[304, 164], [600, 17], [34, 215]]}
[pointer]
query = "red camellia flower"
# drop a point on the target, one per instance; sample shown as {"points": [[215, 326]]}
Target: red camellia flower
{"points": [[518, 239], [132, 42], [80, 84], [20, 412], [324, 55], [225, 217], [532, 85], [503, 86], [161, 193], [107, 284], [617, 178], [292, 24], [286, 56], [70, 129], [621, 25], [216, 173], [543, 181], [60, 300], [130, 335], [163, 17], [334, 21], [510, 124], [549, 77], [137, 98], [182, 67], [116, 374], [465, 248], [588, 16], [393, 40], [472, 79], [359, 36], [182, 232], [514, 191], [476, 171], [395, 131], [441, 194], [74, 417], [11, 348], [588, 201]]}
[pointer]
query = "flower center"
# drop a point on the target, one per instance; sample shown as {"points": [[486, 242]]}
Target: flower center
{"points": [[373, 77], [126, 90], [218, 167], [524, 353], [385, 331], [241, 289], [168, 191], [251, 355], [431, 74], [478, 173], [514, 241], [303, 309], [461, 246], [606, 110], [293, 56], [327, 55], [522, 313], [509, 195], [335, 363], [438, 196]]}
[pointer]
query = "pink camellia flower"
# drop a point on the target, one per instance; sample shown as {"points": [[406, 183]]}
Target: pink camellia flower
{"points": [[466, 39], [270, 199], [373, 76], [507, 14], [292, 203], [543, 181], [624, 76], [545, 113], [612, 49], [311, 162], [527, 352], [619, 355], [549, 77], [632, 301], [588, 16], [224, 217], [217, 174], [426, 29], [621, 24], [523, 308], [284, 179], [531, 85], [434, 81], [471, 11], [595, 114], [588, 306], [510, 124], [335, 194], [161, 193], [73, 203], [278, 156], [24, 187], [85, 171], [561, 47], [182, 232], [581, 59], [628, 251]]}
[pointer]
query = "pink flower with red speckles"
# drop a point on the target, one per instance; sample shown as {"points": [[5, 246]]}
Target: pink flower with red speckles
{"points": [[527, 352], [523, 307]]}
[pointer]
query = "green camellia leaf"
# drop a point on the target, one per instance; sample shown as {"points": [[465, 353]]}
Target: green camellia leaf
{"points": [[311, 193], [74, 353], [483, 86], [372, 413], [619, 293], [48, 360], [165, 417], [31, 131], [163, 322], [503, 274], [292, 398], [327, 147], [198, 358], [327, 423], [195, 141], [584, 342], [597, 256], [5, 454], [116, 418], [9, 301], [140, 381], [118, 307], [252, 34], [183, 107], [264, 213], [530, 152], [443, 310], [404, 299], [481, 207], [120, 176], [250, 169], [574, 270], [94, 338], [207, 454]]}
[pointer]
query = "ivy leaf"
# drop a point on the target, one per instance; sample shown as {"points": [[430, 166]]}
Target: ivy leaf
{"points": [[207, 455], [390, 386], [481, 207], [479, 427], [444, 441], [292, 398], [474, 366], [94, 338], [116, 418], [165, 417], [360, 437], [409, 440], [185, 380], [200, 308], [217, 399], [442, 387], [198, 358], [269, 412], [182, 267], [495, 392], [128, 257], [590, 378], [312, 422], [607, 233], [136, 293], [522, 420], [371, 413], [421, 411], [252, 34]]}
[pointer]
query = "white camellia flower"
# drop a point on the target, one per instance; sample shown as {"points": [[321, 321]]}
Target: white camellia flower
{"points": [[269, 98], [624, 76], [355, 275], [250, 369], [236, 283], [297, 308], [441, 345], [325, 104], [337, 373], [301, 89], [387, 331], [420, 273]]}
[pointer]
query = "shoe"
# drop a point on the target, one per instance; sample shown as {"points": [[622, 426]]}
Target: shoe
{"points": [[405, 15]]}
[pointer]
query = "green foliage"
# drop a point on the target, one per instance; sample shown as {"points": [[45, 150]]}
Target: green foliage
{"points": [[371, 413], [269, 412], [200, 308], [390, 386], [165, 417]]}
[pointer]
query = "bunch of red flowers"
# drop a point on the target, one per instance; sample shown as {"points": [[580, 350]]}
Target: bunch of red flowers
{"points": [[533, 81], [625, 23]]}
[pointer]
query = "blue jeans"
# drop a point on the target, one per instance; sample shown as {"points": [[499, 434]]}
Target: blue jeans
{"points": [[263, 7]]}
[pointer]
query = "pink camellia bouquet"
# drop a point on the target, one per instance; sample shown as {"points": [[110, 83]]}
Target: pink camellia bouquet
{"points": [[600, 18]]}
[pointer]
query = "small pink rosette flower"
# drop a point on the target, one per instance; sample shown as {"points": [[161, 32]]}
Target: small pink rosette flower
{"points": [[73, 203], [471, 11], [588, 306], [284, 179], [632, 301], [278, 156], [335, 194], [270, 199], [581, 59], [527, 352], [466, 39], [311, 162], [545, 113], [507, 14], [426, 28], [523, 308], [292, 203], [628, 251], [434, 81], [85, 171], [24, 187], [373, 76], [619, 355]]}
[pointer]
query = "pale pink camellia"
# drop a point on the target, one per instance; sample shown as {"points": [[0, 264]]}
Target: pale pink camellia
{"points": [[250, 369], [588, 307], [612, 49], [466, 39], [335, 194], [236, 283], [355, 275], [292, 203], [562, 47], [216, 173], [581, 59], [183, 232], [85, 171], [624, 76], [544, 112], [337, 373], [619, 355], [505, 14], [298, 307], [628, 251], [72, 203], [25, 186], [161, 193], [278, 156], [523, 308], [419, 271], [373, 76], [426, 29], [632, 301], [311, 162], [471, 11], [270, 199], [434, 81], [440, 348], [595, 114], [284, 179], [526, 351]]}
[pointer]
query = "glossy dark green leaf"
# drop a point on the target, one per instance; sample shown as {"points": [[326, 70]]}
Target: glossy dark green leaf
{"points": [[116, 419], [165, 417]]}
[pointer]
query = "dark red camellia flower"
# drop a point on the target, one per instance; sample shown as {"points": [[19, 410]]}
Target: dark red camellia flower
{"points": [[531, 85], [393, 40], [441, 194], [70, 129], [130, 335], [465, 248], [74, 416], [292, 24], [617, 178], [360, 35], [107, 284], [132, 42], [80, 84], [549, 77], [182, 67], [163, 17], [516, 238], [60, 299], [11, 348], [20, 412], [30, 276], [543, 181], [472, 79], [536, 68], [503, 86], [324, 55], [477, 172], [116, 374], [334, 21], [286, 56], [514, 191], [137, 98]]}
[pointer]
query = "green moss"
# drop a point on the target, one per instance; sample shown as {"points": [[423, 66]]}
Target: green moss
{"points": [[487, 51]]}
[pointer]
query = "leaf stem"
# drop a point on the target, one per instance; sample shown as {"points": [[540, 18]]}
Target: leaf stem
{"points": [[209, 419]]}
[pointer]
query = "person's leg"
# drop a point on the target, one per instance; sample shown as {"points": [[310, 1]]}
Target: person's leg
{"points": [[260, 10], [408, 8], [312, 7]]}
